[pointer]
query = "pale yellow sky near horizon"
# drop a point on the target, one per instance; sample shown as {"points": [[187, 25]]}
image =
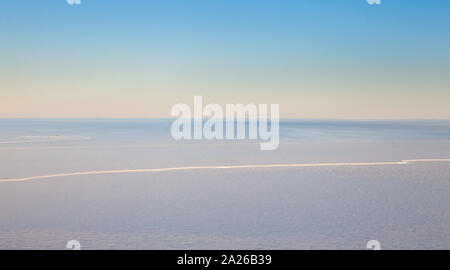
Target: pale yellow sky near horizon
{"points": [[150, 106]]}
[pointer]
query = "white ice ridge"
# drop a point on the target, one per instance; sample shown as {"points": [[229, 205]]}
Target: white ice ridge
{"points": [[191, 168]]}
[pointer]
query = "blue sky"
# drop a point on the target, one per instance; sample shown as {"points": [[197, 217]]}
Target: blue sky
{"points": [[317, 59]]}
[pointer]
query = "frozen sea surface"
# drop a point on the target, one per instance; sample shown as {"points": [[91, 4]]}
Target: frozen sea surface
{"points": [[403, 206]]}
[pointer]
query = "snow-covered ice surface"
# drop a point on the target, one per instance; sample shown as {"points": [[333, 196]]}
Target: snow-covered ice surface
{"points": [[403, 206]]}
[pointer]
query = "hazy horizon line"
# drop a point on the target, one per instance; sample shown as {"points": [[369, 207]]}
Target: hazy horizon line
{"points": [[173, 118]]}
